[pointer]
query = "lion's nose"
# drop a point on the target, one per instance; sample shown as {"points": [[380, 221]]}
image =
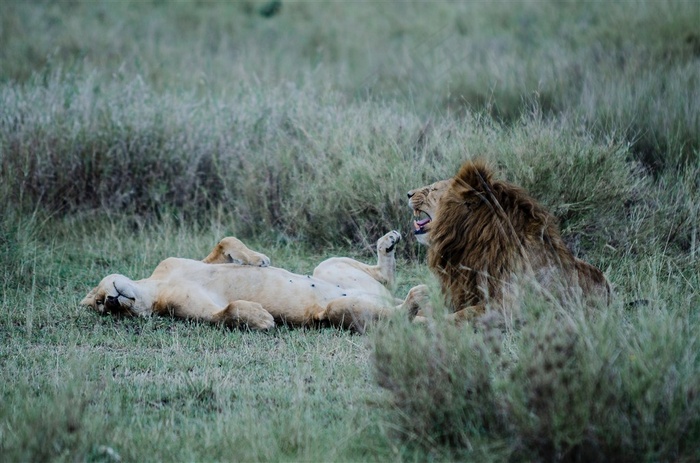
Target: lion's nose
{"points": [[410, 194]]}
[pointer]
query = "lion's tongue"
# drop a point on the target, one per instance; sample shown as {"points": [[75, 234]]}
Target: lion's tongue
{"points": [[419, 224]]}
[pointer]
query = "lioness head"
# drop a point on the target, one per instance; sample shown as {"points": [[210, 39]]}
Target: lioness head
{"points": [[115, 294], [424, 203]]}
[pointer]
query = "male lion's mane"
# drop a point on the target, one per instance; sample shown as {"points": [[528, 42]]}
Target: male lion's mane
{"points": [[489, 231]]}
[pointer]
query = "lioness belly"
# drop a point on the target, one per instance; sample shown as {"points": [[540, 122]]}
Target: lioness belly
{"points": [[289, 297]]}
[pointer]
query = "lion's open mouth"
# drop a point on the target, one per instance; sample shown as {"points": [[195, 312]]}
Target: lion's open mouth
{"points": [[419, 224]]}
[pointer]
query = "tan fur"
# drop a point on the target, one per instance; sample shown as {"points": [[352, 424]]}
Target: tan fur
{"points": [[243, 291], [489, 239], [231, 250]]}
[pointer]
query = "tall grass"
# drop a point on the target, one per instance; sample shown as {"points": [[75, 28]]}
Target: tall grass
{"points": [[611, 67], [304, 165], [561, 387]]}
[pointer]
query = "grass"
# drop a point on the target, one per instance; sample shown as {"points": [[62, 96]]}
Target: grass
{"points": [[133, 131], [617, 385], [77, 385], [192, 394]]}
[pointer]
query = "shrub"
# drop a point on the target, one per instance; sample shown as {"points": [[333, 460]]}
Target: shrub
{"points": [[616, 385]]}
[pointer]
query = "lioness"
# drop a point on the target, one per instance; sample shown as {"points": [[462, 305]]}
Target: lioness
{"points": [[488, 238], [236, 286]]}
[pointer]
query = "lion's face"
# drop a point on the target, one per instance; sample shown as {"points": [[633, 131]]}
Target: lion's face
{"points": [[116, 294], [424, 203]]}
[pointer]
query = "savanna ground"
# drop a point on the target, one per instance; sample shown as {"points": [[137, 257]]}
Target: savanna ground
{"points": [[133, 131]]}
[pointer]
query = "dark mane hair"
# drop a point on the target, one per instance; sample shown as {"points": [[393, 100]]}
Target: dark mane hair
{"points": [[486, 231]]}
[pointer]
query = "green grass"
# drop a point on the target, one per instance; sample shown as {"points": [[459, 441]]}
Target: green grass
{"points": [[188, 393], [75, 384], [133, 131], [557, 385]]}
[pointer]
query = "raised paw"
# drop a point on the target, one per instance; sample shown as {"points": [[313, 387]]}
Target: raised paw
{"points": [[231, 250], [260, 260], [387, 242], [248, 257]]}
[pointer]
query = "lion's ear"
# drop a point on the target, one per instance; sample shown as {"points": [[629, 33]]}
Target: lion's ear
{"points": [[476, 174]]}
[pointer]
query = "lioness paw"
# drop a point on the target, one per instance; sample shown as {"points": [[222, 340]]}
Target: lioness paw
{"points": [[251, 258], [254, 259], [245, 314], [261, 321], [388, 242], [252, 315], [418, 299], [261, 261], [231, 250]]}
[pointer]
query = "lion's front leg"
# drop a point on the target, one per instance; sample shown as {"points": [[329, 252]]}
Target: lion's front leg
{"points": [[231, 250]]}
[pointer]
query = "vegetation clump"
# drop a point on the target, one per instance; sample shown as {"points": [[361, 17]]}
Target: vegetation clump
{"points": [[558, 387]]}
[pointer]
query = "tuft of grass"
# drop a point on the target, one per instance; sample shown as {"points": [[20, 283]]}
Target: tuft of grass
{"points": [[20, 252], [562, 386], [55, 415]]}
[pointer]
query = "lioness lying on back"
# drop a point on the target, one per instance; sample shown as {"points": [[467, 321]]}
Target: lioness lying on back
{"points": [[236, 286]]}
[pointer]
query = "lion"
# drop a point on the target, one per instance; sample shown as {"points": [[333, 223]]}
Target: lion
{"points": [[489, 241], [237, 287]]}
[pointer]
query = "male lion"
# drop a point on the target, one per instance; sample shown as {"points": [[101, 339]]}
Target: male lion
{"points": [[236, 287], [489, 240]]}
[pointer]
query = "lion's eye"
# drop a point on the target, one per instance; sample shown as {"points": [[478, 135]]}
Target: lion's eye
{"points": [[99, 302]]}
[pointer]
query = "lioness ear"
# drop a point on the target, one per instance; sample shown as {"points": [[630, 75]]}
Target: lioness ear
{"points": [[89, 300]]}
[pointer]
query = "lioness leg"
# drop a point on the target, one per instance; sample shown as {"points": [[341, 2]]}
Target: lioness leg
{"points": [[357, 313], [385, 270], [231, 250], [184, 301], [240, 314], [417, 299], [466, 315], [354, 313], [336, 270]]}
